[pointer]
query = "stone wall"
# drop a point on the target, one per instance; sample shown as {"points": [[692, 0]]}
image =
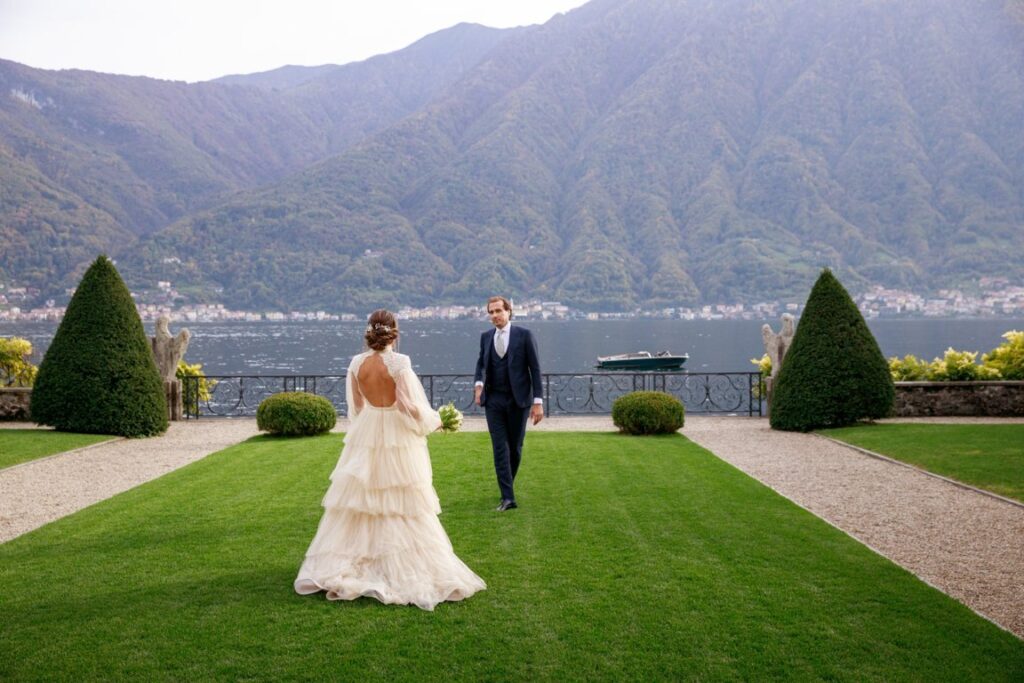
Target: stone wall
{"points": [[14, 403], [967, 399]]}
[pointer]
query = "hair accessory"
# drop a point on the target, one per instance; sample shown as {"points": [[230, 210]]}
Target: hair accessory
{"points": [[379, 327]]}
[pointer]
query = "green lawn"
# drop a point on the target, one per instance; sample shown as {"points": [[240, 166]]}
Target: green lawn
{"points": [[630, 559], [22, 445], [989, 456]]}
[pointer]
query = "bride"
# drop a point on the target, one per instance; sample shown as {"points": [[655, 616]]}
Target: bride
{"points": [[380, 536]]}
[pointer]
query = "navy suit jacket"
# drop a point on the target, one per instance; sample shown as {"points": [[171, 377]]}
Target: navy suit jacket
{"points": [[523, 365]]}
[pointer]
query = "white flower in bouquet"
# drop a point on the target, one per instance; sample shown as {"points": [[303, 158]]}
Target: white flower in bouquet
{"points": [[451, 417]]}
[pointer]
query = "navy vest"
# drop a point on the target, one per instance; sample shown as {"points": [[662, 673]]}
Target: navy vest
{"points": [[497, 374]]}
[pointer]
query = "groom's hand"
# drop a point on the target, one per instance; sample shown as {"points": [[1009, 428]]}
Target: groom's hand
{"points": [[476, 394], [537, 412]]}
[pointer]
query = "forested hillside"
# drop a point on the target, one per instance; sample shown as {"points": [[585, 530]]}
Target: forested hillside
{"points": [[640, 152], [92, 161]]}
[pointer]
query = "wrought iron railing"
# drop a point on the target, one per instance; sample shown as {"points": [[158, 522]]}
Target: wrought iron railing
{"points": [[735, 393]]}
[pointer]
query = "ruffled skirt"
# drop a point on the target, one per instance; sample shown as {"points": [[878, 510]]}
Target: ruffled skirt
{"points": [[380, 536]]}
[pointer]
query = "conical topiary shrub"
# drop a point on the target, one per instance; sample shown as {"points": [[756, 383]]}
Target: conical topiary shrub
{"points": [[99, 376], [834, 373]]}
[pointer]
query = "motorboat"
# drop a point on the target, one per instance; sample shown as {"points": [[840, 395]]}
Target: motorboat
{"points": [[642, 360]]}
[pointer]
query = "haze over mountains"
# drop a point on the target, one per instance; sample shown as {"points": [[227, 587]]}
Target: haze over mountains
{"points": [[631, 152]]}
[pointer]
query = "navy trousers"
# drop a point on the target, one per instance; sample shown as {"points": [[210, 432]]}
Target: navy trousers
{"points": [[506, 422]]}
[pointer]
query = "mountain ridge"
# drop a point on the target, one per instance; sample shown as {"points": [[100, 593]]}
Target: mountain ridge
{"points": [[144, 152], [656, 153], [620, 167]]}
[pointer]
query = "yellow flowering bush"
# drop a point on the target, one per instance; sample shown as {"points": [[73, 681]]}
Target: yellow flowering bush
{"points": [[908, 369], [954, 366], [15, 370], [1007, 358], [190, 399], [764, 366], [959, 366]]}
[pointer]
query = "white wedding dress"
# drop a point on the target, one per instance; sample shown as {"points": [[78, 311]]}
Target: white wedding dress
{"points": [[380, 536]]}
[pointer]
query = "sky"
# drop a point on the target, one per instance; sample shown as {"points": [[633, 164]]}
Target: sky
{"points": [[195, 40]]}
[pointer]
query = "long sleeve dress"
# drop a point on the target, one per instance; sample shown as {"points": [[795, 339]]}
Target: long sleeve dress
{"points": [[380, 535]]}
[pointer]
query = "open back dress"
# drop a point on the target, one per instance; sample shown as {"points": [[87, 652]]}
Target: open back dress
{"points": [[380, 535]]}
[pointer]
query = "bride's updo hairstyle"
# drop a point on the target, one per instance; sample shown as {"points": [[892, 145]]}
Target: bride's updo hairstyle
{"points": [[381, 329]]}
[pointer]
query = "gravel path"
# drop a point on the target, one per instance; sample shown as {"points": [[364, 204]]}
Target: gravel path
{"points": [[37, 492], [967, 544]]}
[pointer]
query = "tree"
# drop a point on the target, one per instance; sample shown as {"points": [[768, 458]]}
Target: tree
{"points": [[99, 376], [834, 373], [15, 370]]}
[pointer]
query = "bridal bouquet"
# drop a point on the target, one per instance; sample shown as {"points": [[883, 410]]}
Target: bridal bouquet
{"points": [[451, 418]]}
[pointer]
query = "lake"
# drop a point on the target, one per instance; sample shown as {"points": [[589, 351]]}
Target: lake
{"points": [[440, 347]]}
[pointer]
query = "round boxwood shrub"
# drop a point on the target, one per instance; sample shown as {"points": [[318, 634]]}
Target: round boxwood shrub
{"points": [[834, 373], [648, 412], [295, 413], [99, 376]]}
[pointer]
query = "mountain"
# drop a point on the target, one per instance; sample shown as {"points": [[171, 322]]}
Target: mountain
{"points": [[282, 78], [46, 231], [351, 102], [93, 161], [630, 152], [658, 152]]}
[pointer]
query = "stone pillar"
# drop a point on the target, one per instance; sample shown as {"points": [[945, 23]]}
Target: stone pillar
{"points": [[167, 351], [776, 346], [174, 403]]}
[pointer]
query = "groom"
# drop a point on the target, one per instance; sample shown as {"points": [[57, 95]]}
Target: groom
{"points": [[508, 386]]}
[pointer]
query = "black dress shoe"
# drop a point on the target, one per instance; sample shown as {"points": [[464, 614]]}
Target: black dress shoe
{"points": [[507, 505]]}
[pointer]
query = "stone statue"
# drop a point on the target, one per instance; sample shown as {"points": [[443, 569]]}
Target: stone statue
{"points": [[776, 346], [167, 351]]}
